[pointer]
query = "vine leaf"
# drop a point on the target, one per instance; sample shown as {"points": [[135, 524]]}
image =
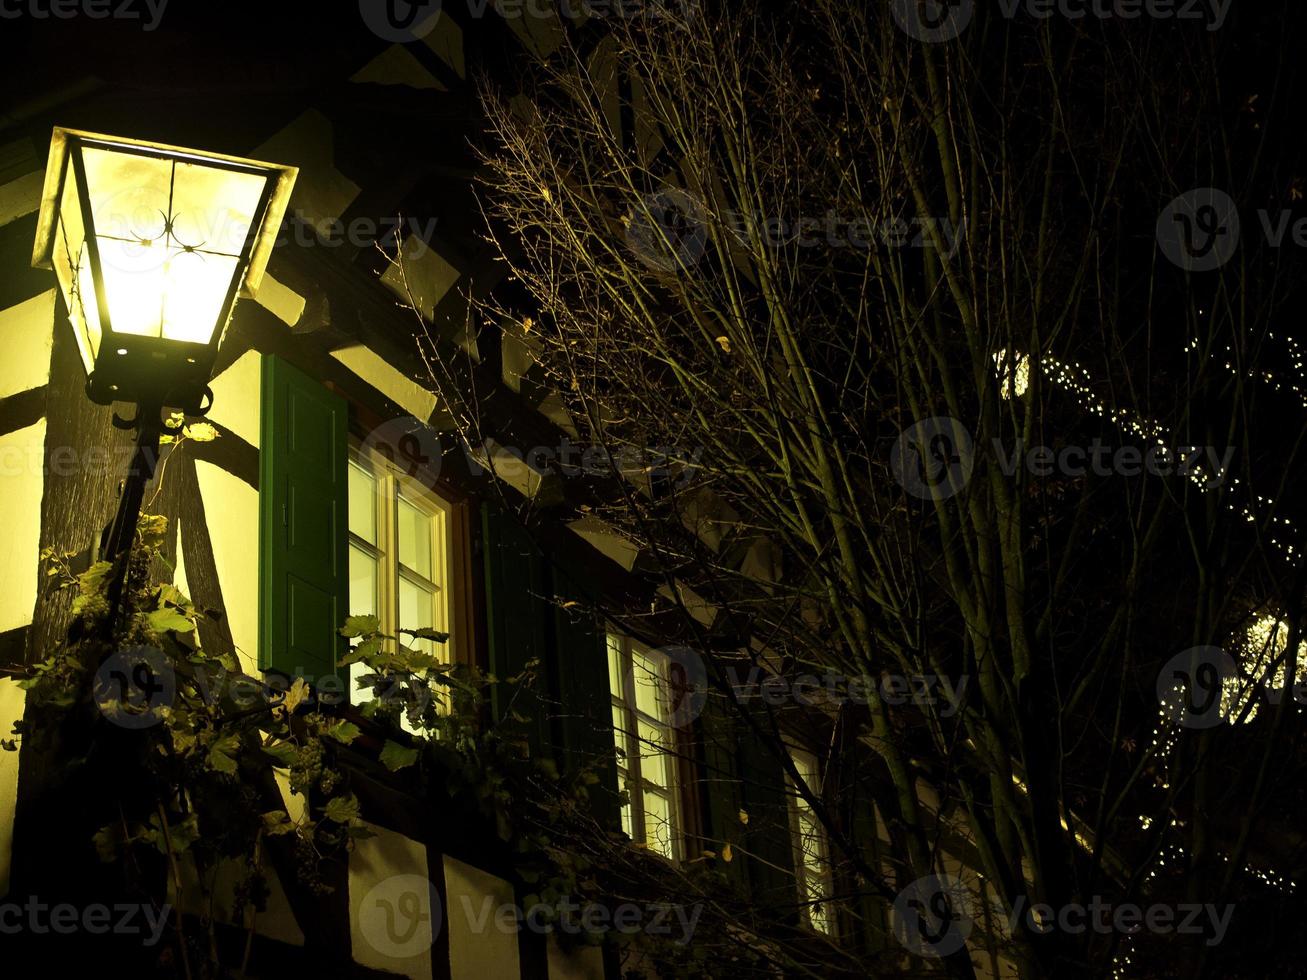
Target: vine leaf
{"points": [[396, 757], [368, 648], [360, 626], [222, 754], [200, 432], [276, 823], [343, 731], [169, 620], [92, 585], [427, 633], [296, 695], [342, 809], [106, 843], [282, 752]]}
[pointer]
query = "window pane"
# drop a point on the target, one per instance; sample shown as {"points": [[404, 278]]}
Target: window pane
{"points": [[810, 839], [415, 612], [628, 823], [806, 764], [414, 539], [655, 762], [619, 731], [362, 583], [362, 602], [658, 823], [649, 699], [362, 504], [615, 668], [818, 915]]}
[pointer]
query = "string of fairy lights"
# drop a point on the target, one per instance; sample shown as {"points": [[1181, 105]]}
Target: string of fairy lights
{"points": [[1265, 640]]}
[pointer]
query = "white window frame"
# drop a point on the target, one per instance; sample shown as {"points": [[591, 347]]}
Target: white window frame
{"points": [[391, 486], [622, 654]]}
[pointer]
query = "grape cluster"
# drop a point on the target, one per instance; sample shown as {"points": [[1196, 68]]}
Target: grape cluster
{"points": [[309, 867], [307, 767]]}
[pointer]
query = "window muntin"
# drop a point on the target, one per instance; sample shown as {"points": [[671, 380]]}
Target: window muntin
{"points": [[399, 556], [811, 850], [639, 683]]}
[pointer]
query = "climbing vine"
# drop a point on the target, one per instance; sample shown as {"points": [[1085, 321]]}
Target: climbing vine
{"points": [[223, 764]]}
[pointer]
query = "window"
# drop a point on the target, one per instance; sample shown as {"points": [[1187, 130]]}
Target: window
{"points": [[811, 854], [399, 555], [639, 680]]}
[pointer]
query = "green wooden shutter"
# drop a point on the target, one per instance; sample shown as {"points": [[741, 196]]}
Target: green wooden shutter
{"points": [[872, 927], [585, 718], [518, 621], [303, 525], [722, 792], [769, 837]]}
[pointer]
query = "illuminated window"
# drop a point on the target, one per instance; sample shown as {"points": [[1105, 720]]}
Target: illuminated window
{"points": [[639, 681], [399, 556], [811, 853]]}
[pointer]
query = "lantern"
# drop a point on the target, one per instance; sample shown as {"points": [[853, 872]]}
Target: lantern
{"points": [[152, 245]]}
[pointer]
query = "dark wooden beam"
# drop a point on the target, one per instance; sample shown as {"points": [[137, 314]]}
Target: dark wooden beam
{"points": [[23, 409]]}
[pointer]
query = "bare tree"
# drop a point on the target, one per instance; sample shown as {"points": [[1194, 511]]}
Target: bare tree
{"points": [[821, 285]]}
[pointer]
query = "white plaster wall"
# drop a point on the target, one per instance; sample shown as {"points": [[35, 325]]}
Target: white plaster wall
{"points": [[322, 192], [27, 340], [21, 197], [428, 275], [217, 895], [22, 482], [479, 945], [581, 964], [392, 919], [394, 384], [12, 699], [238, 397], [280, 300], [231, 508], [397, 66], [605, 540]]}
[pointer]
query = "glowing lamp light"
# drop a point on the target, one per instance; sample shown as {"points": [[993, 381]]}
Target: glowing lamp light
{"points": [[152, 245]]}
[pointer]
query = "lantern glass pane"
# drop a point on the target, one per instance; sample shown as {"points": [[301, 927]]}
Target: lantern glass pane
{"points": [[88, 311], [213, 210], [129, 194], [170, 237], [195, 290], [73, 271]]}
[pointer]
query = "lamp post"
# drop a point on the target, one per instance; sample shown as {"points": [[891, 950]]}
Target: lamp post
{"points": [[152, 245]]}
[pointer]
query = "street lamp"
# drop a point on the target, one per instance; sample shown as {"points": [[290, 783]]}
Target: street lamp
{"points": [[152, 245]]}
